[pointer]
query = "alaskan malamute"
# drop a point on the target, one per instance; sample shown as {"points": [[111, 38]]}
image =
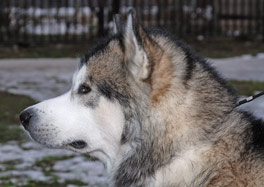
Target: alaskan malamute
{"points": [[154, 113]]}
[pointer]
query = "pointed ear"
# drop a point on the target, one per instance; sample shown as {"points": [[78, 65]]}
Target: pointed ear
{"points": [[141, 51], [117, 28]]}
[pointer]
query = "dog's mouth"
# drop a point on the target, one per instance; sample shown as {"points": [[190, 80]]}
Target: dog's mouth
{"points": [[79, 144]]}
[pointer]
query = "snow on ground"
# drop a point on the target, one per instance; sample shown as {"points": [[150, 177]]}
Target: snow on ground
{"points": [[38, 78], [45, 78], [245, 67], [24, 158]]}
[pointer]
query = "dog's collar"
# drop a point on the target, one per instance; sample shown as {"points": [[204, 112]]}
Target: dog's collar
{"points": [[249, 99]]}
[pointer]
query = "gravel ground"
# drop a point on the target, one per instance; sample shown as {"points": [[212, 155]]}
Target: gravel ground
{"points": [[46, 78]]}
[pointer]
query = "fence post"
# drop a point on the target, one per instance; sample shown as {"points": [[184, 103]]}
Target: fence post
{"points": [[100, 15], [116, 6], [262, 21], [1, 20], [181, 18], [158, 14]]}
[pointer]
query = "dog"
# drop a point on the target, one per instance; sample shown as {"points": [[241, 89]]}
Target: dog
{"points": [[155, 113]]}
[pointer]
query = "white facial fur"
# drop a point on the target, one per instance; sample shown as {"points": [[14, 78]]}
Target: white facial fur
{"points": [[65, 119]]}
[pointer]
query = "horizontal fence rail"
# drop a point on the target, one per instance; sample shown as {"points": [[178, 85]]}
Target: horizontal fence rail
{"points": [[43, 21]]}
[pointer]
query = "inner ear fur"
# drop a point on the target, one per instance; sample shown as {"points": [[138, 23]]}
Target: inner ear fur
{"points": [[141, 51], [157, 69], [160, 67]]}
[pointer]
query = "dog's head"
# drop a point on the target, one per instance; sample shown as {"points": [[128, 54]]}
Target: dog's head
{"points": [[112, 88]]}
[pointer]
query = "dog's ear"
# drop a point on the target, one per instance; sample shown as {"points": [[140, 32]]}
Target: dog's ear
{"points": [[141, 51], [118, 25]]}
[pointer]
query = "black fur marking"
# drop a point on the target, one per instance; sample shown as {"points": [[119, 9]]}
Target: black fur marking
{"points": [[256, 133], [124, 139], [106, 90], [109, 91], [101, 47]]}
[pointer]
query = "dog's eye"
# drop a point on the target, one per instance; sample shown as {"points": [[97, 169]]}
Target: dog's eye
{"points": [[84, 89]]}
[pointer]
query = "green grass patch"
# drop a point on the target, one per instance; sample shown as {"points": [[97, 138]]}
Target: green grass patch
{"points": [[7, 184], [45, 51], [33, 183], [46, 164], [11, 133], [223, 47], [49, 161], [10, 165], [247, 88], [10, 107], [216, 47]]}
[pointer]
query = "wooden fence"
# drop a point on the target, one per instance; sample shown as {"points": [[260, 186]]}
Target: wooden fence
{"points": [[44, 21]]}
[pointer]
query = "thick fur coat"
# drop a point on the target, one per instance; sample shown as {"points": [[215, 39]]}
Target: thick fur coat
{"points": [[155, 113]]}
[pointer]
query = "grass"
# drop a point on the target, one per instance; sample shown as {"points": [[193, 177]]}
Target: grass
{"points": [[44, 51], [213, 48], [35, 183], [11, 106], [10, 165], [247, 88], [223, 48], [46, 164], [49, 161]]}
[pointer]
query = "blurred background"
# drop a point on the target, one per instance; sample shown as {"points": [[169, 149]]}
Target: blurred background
{"points": [[41, 40]]}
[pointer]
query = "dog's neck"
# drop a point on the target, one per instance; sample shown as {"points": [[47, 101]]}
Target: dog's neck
{"points": [[172, 128], [157, 166], [166, 147], [136, 163]]}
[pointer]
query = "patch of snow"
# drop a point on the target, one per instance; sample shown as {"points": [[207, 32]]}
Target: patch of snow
{"points": [[260, 56], [19, 175], [26, 155], [255, 107], [246, 57]]}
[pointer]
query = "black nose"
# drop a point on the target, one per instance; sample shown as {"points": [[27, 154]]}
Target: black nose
{"points": [[25, 118]]}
